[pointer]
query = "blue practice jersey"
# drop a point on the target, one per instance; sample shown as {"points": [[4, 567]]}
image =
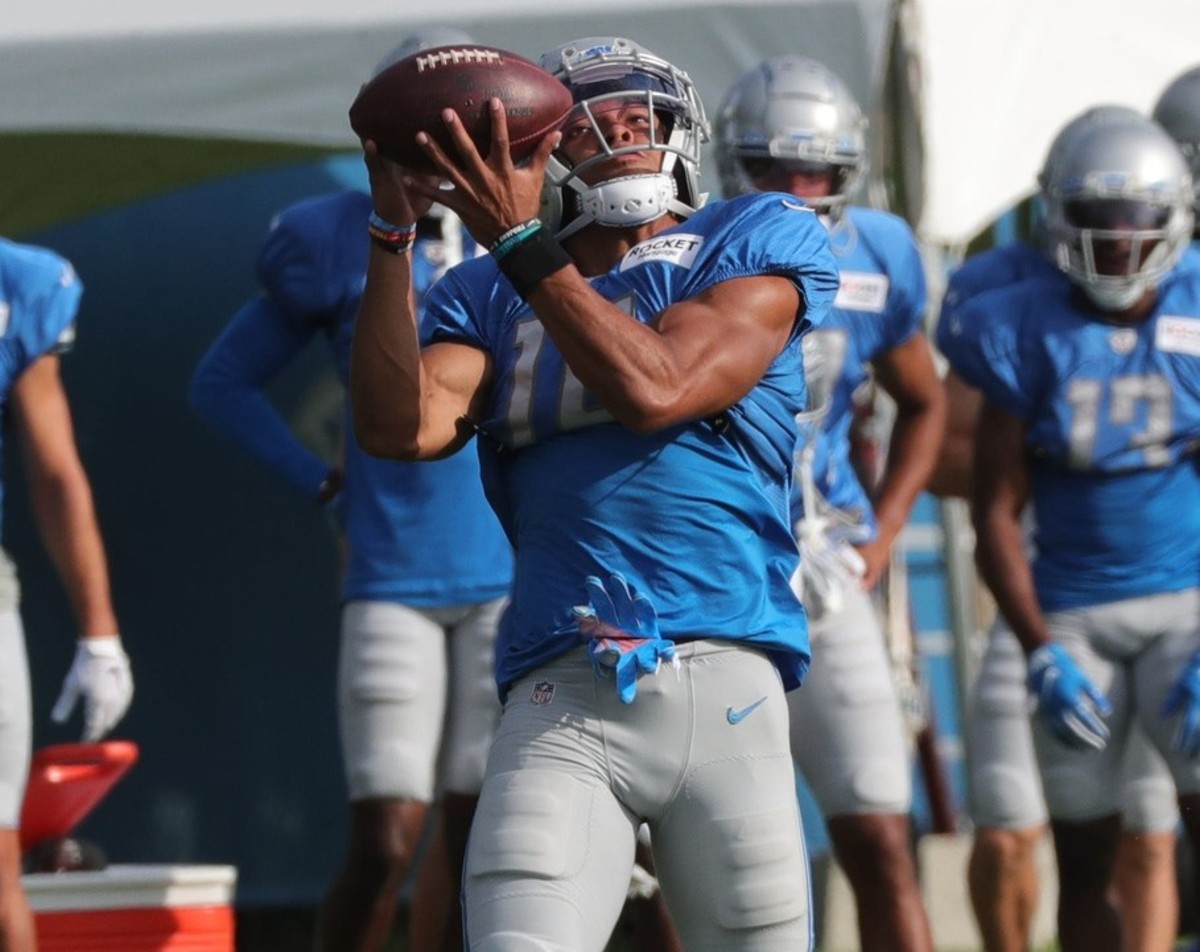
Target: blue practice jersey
{"points": [[999, 267], [1112, 415], [39, 298], [880, 305], [417, 533], [695, 515]]}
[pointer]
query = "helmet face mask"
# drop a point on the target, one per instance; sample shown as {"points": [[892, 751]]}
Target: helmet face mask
{"points": [[610, 73], [791, 111], [1117, 197]]}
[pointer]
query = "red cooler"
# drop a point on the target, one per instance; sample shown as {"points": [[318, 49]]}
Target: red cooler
{"points": [[134, 908]]}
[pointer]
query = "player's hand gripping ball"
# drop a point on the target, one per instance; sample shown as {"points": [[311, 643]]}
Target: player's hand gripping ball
{"points": [[409, 96]]}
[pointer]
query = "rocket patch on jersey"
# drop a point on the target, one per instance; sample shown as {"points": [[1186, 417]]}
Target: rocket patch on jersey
{"points": [[861, 291], [1178, 335], [674, 249]]}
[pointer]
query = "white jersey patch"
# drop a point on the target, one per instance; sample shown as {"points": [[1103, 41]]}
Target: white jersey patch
{"points": [[861, 291], [5, 311], [1178, 335], [674, 249]]}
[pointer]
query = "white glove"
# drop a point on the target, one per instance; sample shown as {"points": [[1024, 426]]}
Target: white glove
{"points": [[828, 569], [100, 672]]}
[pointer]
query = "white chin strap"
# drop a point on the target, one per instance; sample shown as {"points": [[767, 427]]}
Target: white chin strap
{"points": [[629, 200], [1116, 297], [624, 202]]}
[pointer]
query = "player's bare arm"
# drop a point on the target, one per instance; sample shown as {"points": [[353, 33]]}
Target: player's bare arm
{"points": [[407, 404], [1000, 489], [61, 495], [909, 377], [697, 358], [952, 474]]}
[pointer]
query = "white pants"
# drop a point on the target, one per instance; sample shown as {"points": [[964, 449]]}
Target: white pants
{"points": [[1134, 651], [847, 730], [417, 701], [15, 718], [1005, 784], [701, 756]]}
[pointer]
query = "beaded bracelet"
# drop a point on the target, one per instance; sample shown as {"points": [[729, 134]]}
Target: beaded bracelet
{"points": [[394, 238], [537, 256]]}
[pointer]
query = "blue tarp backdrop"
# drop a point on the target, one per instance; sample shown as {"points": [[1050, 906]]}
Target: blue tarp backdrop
{"points": [[225, 581]]}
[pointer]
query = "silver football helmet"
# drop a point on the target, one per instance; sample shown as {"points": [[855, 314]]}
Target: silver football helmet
{"points": [[1060, 146], [1178, 111], [791, 108], [601, 70], [1117, 197]]}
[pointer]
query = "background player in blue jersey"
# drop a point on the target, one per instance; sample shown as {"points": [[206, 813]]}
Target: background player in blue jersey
{"points": [[427, 564], [635, 366], [39, 298], [1092, 414], [1178, 111], [791, 125], [1006, 803]]}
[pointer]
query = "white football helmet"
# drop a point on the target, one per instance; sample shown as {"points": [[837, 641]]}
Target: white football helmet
{"points": [[1117, 197], [791, 108], [603, 69], [1178, 111]]}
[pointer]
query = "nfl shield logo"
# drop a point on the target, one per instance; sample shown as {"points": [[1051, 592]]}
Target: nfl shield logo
{"points": [[543, 693]]}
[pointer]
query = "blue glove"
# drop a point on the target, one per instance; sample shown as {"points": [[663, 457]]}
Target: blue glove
{"points": [[620, 629], [1068, 702], [1184, 700]]}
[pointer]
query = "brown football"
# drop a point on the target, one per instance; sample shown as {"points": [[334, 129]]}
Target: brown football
{"points": [[408, 97]]}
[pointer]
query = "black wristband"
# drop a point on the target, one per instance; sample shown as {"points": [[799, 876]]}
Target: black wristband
{"points": [[533, 260]]}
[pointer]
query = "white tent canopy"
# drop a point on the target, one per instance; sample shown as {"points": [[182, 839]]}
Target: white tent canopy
{"points": [[975, 92], [276, 70], [994, 81]]}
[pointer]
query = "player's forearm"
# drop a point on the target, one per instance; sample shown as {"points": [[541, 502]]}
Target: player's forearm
{"points": [[694, 359], [912, 457], [228, 385], [952, 473], [66, 520], [385, 361], [1005, 569], [625, 364], [243, 416]]}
